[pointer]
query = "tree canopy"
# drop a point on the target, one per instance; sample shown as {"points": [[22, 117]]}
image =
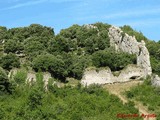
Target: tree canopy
{"points": [[76, 48]]}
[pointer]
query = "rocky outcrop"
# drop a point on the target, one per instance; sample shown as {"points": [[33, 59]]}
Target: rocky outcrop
{"points": [[91, 76], [104, 76], [46, 77], [12, 73], [155, 80], [129, 73], [31, 77], [125, 43], [89, 26]]}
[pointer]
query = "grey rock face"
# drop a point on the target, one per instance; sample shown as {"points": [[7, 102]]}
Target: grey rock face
{"points": [[89, 26], [105, 76], [31, 77], [46, 77], [155, 80], [97, 77], [124, 42]]}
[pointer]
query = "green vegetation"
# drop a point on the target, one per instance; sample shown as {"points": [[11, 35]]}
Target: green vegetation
{"points": [[148, 95], [50, 63], [138, 35], [20, 77], [154, 50], [67, 103], [115, 61], [153, 47], [66, 55], [5, 85], [9, 61]]}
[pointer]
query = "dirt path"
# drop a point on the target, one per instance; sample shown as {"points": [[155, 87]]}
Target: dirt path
{"points": [[118, 89]]}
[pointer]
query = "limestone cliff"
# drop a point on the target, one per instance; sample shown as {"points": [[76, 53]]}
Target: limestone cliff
{"points": [[125, 43], [104, 76]]}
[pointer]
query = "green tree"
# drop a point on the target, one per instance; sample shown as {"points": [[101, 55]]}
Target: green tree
{"points": [[13, 46], [10, 61], [138, 35], [4, 82], [33, 48], [20, 77], [116, 61], [3, 34], [53, 64], [35, 98]]}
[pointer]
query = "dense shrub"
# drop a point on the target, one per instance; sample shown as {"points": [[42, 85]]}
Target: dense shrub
{"points": [[10, 61], [20, 77], [13, 46], [138, 35], [53, 64], [147, 94], [4, 82], [63, 103], [116, 61]]}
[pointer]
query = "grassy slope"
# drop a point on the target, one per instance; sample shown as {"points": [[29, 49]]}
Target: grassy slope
{"points": [[148, 95]]}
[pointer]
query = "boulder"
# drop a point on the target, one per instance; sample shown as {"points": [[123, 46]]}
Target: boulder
{"points": [[31, 77], [46, 77], [155, 80]]}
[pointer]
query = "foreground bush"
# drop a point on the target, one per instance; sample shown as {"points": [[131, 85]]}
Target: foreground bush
{"points": [[62, 104], [148, 95]]}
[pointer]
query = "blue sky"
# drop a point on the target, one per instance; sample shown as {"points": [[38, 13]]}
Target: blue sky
{"points": [[142, 15]]}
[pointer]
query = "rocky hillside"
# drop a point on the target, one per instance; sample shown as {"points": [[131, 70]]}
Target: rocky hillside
{"points": [[43, 75], [36, 48], [122, 42]]}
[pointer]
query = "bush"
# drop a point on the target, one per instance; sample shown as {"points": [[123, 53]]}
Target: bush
{"points": [[20, 77], [129, 94], [151, 108], [115, 61], [63, 103], [35, 98], [10, 61], [13, 46], [39, 78], [55, 65], [139, 36], [147, 94], [4, 82], [147, 81]]}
